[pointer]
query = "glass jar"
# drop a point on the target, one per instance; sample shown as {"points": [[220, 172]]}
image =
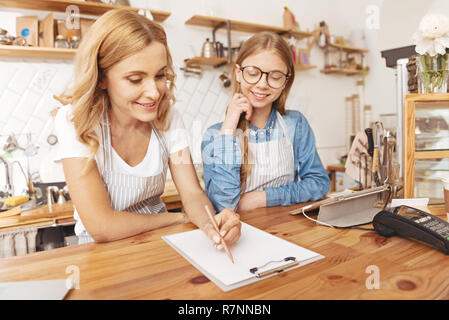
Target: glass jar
{"points": [[74, 42], [61, 42]]}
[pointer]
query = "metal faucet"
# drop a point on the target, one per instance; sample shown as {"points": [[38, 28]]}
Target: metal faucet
{"points": [[8, 180]]}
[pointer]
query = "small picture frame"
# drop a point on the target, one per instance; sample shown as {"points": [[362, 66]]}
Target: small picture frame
{"points": [[303, 57]]}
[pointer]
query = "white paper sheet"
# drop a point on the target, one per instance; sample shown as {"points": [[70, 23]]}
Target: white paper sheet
{"points": [[34, 290], [255, 248], [420, 202]]}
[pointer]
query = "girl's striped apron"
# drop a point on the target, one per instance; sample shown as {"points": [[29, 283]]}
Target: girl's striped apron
{"points": [[128, 192], [273, 162]]}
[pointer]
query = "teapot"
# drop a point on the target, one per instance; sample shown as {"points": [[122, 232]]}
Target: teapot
{"points": [[208, 50]]}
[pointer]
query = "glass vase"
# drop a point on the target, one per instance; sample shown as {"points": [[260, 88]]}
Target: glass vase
{"points": [[432, 73]]}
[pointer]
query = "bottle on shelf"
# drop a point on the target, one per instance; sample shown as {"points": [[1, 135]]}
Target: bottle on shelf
{"points": [[61, 42]]}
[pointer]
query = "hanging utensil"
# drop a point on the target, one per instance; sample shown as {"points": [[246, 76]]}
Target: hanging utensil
{"points": [[11, 144]]}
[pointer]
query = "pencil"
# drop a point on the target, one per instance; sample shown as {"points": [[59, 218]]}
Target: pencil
{"points": [[214, 223]]}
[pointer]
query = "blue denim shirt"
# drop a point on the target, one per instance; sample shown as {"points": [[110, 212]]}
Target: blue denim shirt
{"points": [[221, 156]]}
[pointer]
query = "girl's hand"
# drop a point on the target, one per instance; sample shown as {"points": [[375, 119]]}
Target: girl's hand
{"points": [[229, 225], [239, 104]]}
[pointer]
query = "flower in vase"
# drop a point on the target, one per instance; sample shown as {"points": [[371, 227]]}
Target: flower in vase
{"points": [[432, 36]]}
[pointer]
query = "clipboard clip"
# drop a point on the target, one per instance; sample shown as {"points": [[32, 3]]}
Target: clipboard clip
{"points": [[276, 270]]}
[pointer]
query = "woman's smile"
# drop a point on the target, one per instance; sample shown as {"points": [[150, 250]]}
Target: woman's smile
{"points": [[148, 106]]}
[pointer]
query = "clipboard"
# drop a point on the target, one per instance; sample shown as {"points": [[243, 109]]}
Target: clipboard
{"points": [[351, 209], [258, 255]]}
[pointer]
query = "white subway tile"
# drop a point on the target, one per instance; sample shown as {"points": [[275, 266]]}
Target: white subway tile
{"points": [[222, 103], [62, 79], [188, 120], [26, 106], [195, 103], [216, 85], [33, 126], [42, 79], [191, 84], [22, 78], [182, 101], [8, 102], [8, 70], [13, 125], [206, 80], [201, 118], [208, 103]]}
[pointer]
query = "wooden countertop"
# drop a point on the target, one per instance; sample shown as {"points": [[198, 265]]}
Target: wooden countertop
{"points": [[44, 216], [145, 267], [39, 217]]}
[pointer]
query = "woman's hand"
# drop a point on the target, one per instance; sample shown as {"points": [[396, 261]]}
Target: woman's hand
{"points": [[229, 225], [252, 200], [239, 104]]}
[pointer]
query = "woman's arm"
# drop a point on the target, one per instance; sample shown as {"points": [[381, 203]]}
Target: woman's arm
{"points": [[194, 200], [92, 202], [314, 183]]}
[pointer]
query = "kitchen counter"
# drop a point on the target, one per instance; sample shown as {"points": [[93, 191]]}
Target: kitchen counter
{"points": [[146, 267], [44, 216]]}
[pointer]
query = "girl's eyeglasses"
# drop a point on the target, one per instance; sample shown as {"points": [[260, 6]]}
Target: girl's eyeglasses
{"points": [[275, 79]]}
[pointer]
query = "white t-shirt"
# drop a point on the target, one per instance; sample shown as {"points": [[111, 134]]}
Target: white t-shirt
{"points": [[70, 147]]}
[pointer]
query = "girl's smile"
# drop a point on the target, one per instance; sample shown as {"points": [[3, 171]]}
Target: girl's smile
{"points": [[260, 94]]}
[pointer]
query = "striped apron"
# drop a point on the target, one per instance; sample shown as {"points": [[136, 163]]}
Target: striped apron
{"points": [[127, 192], [273, 162]]}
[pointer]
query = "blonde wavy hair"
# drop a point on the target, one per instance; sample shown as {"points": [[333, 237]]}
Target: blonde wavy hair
{"points": [[116, 35], [260, 42]]}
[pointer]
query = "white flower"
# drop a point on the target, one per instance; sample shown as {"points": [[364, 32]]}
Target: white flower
{"points": [[434, 26], [433, 35]]}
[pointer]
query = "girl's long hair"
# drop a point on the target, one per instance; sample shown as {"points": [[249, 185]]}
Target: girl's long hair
{"points": [[116, 35], [257, 43]]}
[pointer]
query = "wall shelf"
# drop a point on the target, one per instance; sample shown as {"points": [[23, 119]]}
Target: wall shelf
{"points": [[86, 7], [346, 71], [36, 52], [215, 62], [347, 49], [301, 67], [234, 25], [213, 22]]}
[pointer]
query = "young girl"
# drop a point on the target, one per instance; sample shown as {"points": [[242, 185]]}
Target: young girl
{"points": [[120, 134], [262, 155]]}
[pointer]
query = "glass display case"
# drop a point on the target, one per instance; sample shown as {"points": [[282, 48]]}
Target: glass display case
{"points": [[431, 126], [426, 145], [428, 181]]}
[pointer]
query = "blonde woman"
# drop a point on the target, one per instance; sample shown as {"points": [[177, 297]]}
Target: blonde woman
{"points": [[119, 134], [262, 155]]}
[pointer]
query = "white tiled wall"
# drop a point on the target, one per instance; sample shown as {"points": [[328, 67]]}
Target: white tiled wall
{"points": [[27, 87], [202, 101]]}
